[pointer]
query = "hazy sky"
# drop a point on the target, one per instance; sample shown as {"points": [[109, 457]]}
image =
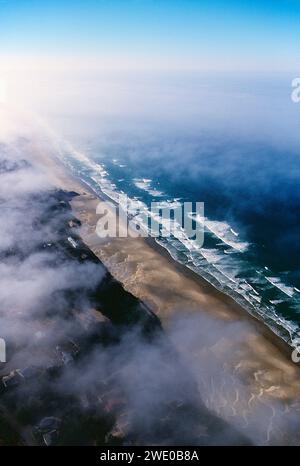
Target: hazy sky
{"points": [[206, 34]]}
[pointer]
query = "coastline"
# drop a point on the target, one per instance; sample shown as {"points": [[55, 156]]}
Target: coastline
{"points": [[258, 359], [236, 308]]}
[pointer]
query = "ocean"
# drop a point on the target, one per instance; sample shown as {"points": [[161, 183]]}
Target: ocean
{"points": [[233, 146]]}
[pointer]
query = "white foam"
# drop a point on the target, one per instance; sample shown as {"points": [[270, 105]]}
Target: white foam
{"points": [[257, 298], [224, 232], [275, 281], [234, 232], [247, 287], [211, 255], [145, 185], [229, 277], [170, 204]]}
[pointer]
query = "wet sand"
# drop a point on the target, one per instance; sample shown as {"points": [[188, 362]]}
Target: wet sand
{"points": [[244, 371]]}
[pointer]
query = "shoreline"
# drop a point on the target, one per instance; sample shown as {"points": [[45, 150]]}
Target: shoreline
{"points": [[244, 348], [69, 180], [236, 307]]}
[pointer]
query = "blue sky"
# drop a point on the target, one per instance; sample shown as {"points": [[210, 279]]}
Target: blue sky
{"points": [[228, 33]]}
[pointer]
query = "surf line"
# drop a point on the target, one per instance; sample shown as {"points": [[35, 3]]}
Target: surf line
{"points": [[161, 220]]}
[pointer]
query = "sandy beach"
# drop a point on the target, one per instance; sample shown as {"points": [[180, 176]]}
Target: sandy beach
{"points": [[244, 371]]}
